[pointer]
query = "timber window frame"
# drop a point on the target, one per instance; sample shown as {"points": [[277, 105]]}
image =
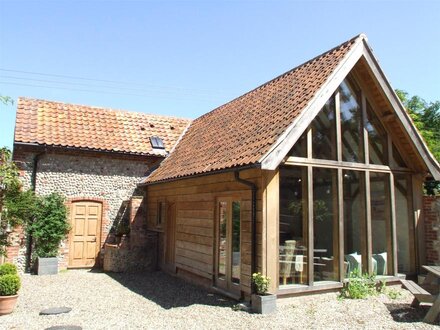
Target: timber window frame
{"points": [[364, 168]]}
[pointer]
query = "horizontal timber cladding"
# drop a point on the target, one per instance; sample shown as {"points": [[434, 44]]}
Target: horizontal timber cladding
{"points": [[195, 200]]}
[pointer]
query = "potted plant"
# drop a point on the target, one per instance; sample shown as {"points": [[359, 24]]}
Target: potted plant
{"points": [[262, 302], [9, 285], [49, 227]]}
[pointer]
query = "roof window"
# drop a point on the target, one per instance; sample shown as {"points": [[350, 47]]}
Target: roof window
{"points": [[156, 142]]}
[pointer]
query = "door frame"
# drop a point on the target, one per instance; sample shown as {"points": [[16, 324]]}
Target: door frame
{"points": [[98, 233], [170, 238], [226, 285]]}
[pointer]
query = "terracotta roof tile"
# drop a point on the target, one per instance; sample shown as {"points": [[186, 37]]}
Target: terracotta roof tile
{"points": [[78, 126], [242, 131]]}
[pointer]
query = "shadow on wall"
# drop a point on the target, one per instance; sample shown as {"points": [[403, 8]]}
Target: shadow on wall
{"points": [[169, 291]]}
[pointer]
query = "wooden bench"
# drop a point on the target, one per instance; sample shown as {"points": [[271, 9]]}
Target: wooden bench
{"points": [[420, 294]]}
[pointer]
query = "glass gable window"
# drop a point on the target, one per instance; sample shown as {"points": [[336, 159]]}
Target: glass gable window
{"points": [[324, 132], [351, 123], [300, 147], [377, 139]]}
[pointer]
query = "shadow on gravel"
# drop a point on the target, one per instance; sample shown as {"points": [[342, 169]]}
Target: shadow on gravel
{"points": [[168, 291], [407, 314]]}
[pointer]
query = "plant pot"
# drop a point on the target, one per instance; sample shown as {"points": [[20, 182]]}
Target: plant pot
{"points": [[264, 304], [7, 304], [47, 266]]}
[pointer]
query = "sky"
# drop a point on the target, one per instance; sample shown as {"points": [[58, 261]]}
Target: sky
{"points": [[184, 58]]}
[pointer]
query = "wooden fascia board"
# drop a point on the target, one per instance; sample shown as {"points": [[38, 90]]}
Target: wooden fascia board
{"points": [[285, 142], [413, 135]]}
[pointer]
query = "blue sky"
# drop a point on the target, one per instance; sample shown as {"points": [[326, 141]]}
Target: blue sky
{"points": [[184, 58]]}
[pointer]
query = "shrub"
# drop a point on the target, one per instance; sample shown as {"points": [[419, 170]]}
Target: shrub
{"points": [[359, 286], [8, 268], [9, 284], [50, 225], [261, 283]]}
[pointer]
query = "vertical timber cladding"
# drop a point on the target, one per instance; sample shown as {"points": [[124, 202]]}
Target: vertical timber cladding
{"points": [[195, 200]]}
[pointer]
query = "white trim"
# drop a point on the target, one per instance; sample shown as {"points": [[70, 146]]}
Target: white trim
{"points": [[284, 143]]}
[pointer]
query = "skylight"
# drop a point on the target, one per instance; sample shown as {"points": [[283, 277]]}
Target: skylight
{"points": [[156, 142]]}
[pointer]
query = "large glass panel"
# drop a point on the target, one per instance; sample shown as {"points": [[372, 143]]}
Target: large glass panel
{"points": [[325, 224], [355, 237], [397, 158], [382, 258], [324, 132], [293, 225], [300, 147], [236, 242], [404, 225], [377, 139], [222, 247], [351, 123]]}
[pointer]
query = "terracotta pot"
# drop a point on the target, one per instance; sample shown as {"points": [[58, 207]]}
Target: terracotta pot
{"points": [[7, 304]]}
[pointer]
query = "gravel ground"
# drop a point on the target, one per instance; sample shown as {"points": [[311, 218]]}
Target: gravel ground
{"points": [[157, 301]]}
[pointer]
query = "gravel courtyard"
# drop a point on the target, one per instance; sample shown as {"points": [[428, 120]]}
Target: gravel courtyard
{"points": [[156, 301]]}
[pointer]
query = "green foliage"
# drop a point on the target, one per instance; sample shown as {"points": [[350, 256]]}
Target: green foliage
{"points": [[393, 294], [6, 100], [9, 284], [50, 225], [426, 117], [8, 268], [359, 286], [261, 283]]}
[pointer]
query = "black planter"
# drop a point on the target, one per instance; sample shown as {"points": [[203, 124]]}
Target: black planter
{"points": [[47, 266]]}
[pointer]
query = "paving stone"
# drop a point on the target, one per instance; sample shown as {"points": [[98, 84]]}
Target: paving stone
{"points": [[55, 310]]}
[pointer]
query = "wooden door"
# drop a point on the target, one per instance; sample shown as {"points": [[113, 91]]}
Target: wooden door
{"points": [[170, 235], [85, 234]]}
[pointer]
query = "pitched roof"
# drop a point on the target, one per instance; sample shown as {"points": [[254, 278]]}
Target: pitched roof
{"points": [[242, 131], [69, 125]]}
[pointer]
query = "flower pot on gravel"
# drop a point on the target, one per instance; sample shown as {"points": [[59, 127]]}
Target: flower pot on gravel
{"points": [[47, 266], [264, 304], [9, 285]]}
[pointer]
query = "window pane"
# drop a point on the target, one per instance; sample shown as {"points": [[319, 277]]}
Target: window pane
{"points": [[397, 158], [300, 147], [325, 224], [404, 226], [293, 225], [355, 244], [377, 139], [223, 248], [351, 124], [324, 132], [382, 258], [236, 242]]}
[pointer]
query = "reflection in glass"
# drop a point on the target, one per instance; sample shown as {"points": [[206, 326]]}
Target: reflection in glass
{"points": [[355, 244], [397, 158], [381, 224], [351, 123], [324, 132], [300, 147], [223, 247], [404, 226], [377, 139], [293, 225], [325, 224], [236, 242]]}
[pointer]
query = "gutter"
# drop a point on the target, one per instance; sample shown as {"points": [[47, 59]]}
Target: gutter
{"points": [[33, 188], [254, 224]]}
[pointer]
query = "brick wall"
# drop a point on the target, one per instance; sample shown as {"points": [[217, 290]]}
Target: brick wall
{"points": [[77, 177], [431, 208]]}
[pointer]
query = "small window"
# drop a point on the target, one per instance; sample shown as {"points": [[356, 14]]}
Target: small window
{"points": [[160, 213], [156, 142]]}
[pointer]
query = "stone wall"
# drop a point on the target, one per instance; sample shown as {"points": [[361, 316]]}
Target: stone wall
{"points": [[431, 211], [101, 178]]}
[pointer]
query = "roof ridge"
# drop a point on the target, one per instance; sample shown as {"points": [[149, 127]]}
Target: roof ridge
{"points": [[100, 108], [360, 36]]}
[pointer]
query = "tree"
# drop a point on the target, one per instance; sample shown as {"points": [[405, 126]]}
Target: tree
{"points": [[5, 100], [426, 117]]}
